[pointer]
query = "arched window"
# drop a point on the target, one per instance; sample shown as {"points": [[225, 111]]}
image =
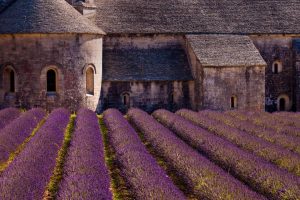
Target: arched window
{"points": [[277, 67], [9, 80], [233, 102], [51, 80], [90, 81], [126, 99]]}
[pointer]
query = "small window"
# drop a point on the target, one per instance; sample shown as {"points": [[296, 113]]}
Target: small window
{"points": [[126, 99], [172, 98], [9, 80], [51, 81], [12, 81], [277, 67], [90, 81], [233, 102]]}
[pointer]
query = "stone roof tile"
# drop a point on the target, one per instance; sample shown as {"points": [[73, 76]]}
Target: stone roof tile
{"points": [[44, 16], [154, 64], [199, 16], [225, 50]]}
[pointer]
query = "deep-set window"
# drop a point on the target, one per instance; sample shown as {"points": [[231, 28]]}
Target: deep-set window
{"points": [[51, 80], [90, 81]]}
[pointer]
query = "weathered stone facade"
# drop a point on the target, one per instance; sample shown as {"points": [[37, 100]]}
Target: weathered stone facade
{"points": [[149, 96], [159, 54], [149, 70], [280, 83], [69, 55]]}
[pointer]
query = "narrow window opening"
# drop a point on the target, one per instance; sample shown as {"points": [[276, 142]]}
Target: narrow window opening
{"points": [[90, 81], [172, 98], [126, 99], [12, 81], [275, 68], [233, 102], [51, 81]]}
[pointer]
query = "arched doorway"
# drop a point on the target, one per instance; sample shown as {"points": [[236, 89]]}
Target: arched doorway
{"points": [[282, 104]]}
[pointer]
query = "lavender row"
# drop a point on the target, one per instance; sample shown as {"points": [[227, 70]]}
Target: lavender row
{"points": [[140, 169], [8, 115], [86, 176], [27, 176], [261, 175], [286, 141], [291, 117], [295, 115], [207, 180], [267, 121], [17, 131], [269, 151]]}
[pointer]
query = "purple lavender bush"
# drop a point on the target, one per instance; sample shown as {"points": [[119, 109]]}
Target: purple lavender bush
{"points": [[8, 115], [287, 117], [85, 173], [269, 151], [287, 141], [266, 121], [142, 173], [27, 176], [17, 131], [261, 175], [207, 180]]}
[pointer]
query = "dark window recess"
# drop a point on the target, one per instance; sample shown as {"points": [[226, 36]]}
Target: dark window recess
{"points": [[12, 81], [51, 81], [275, 68], [233, 102], [126, 99]]}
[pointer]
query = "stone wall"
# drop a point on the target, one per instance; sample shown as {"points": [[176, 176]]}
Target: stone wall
{"points": [[146, 92], [282, 84], [31, 55], [296, 49], [149, 96], [214, 86], [246, 84]]}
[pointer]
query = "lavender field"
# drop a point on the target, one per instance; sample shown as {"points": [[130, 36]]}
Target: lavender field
{"points": [[183, 155]]}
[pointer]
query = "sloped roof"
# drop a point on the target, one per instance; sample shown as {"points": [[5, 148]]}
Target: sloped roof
{"points": [[44, 16], [199, 16], [145, 64], [225, 50]]}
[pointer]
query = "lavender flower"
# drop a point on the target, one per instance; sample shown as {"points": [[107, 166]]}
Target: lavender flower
{"points": [[267, 121], [18, 130], [207, 180], [140, 169], [271, 152], [8, 115], [261, 175], [27, 176], [86, 176]]}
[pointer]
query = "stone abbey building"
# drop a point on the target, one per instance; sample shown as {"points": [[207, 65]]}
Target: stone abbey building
{"points": [[197, 54]]}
